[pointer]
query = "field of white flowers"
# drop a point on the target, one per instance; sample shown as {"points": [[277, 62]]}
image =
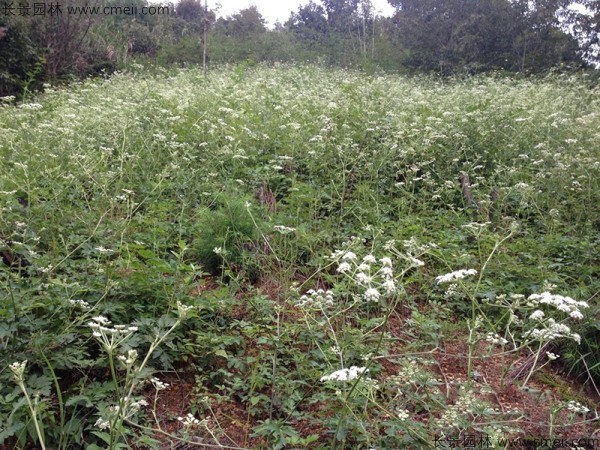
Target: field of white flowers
{"points": [[299, 257]]}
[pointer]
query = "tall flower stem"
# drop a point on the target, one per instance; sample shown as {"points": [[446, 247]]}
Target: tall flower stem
{"points": [[537, 356], [33, 412]]}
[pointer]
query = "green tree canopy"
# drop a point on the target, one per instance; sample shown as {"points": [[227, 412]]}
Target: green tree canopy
{"points": [[245, 23], [475, 35]]}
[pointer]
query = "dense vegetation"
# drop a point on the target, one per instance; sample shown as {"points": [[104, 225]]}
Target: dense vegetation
{"points": [[318, 258], [442, 36]]}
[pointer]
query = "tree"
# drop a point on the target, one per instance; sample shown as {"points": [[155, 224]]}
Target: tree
{"points": [[542, 42], [194, 15], [309, 27], [426, 28], [475, 35], [583, 18], [341, 14], [19, 57], [243, 24], [308, 17], [190, 10]]}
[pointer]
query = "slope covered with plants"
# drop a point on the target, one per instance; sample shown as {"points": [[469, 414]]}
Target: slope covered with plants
{"points": [[309, 257]]}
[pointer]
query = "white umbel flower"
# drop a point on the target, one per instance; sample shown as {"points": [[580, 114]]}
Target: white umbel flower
{"points": [[349, 256], [537, 315], [344, 267], [369, 259], [344, 374], [459, 274], [372, 295], [18, 369]]}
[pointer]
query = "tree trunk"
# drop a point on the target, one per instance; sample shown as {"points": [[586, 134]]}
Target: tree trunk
{"points": [[204, 37]]}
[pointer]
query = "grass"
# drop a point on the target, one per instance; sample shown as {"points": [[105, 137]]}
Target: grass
{"points": [[237, 193]]}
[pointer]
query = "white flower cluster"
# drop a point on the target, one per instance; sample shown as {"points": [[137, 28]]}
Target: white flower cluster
{"points": [[496, 339], [452, 291], [129, 408], [537, 315], [347, 257], [46, 269], [403, 414], [102, 424], [577, 407], [376, 277], [80, 303], [465, 405], [158, 385], [408, 374], [552, 330], [415, 261], [564, 304], [476, 227], [318, 299], [459, 274], [127, 193], [137, 405], [283, 229], [30, 106], [190, 421], [183, 310], [414, 247], [110, 337], [344, 267], [100, 323], [372, 295], [344, 374], [18, 369], [128, 359], [548, 286]]}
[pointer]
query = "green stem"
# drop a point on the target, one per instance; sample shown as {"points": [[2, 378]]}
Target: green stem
{"points": [[113, 425], [496, 246], [369, 363], [14, 303], [470, 356], [537, 355], [159, 339], [33, 416], [61, 405], [113, 372]]}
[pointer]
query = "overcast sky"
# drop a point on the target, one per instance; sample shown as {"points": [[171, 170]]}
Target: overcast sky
{"points": [[279, 10]]}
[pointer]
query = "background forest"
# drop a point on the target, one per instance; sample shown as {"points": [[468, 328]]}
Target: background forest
{"points": [[442, 36]]}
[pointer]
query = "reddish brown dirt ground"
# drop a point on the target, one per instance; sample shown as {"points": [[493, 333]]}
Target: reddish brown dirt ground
{"points": [[534, 405], [230, 421]]}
